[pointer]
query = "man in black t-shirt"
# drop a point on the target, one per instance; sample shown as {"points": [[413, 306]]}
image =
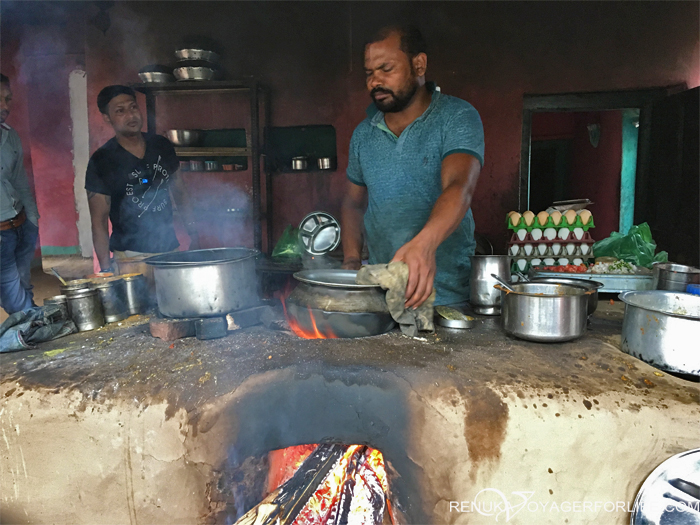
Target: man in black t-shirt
{"points": [[129, 181]]}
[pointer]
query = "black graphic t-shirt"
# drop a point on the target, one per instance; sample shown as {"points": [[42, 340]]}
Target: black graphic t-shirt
{"points": [[141, 212]]}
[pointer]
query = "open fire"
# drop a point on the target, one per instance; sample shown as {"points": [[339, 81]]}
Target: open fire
{"points": [[334, 484], [296, 326]]}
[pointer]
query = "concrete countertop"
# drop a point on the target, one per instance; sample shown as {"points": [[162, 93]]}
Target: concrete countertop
{"points": [[454, 412]]}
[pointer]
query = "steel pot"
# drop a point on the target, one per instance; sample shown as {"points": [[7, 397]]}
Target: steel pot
{"points": [[205, 283], [112, 292], [85, 308], [331, 302], [483, 297], [73, 286], [587, 284], [544, 312], [674, 277], [662, 328], [299, 163]]}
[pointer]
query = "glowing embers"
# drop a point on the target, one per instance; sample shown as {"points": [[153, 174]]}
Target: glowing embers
{"points": [[335, 484]]}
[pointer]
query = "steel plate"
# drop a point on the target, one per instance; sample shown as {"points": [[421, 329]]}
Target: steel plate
{"points": [[333, 278], [671, 493], [612, 283]]}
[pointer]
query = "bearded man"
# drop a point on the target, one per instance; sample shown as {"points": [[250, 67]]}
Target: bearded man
{"points": [[412, 170]]}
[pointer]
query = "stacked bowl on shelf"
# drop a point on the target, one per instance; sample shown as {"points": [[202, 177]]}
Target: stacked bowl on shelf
{"points": [[549, 239]]}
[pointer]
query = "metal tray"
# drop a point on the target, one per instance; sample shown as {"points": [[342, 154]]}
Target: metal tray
{"points": [[612, 283], [333, 278]]}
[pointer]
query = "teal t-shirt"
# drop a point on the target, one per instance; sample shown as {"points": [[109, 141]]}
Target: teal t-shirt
{"points": [[402, 176]]}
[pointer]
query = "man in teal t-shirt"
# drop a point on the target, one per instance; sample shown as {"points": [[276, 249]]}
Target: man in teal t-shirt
{"points": [[412, 170]]}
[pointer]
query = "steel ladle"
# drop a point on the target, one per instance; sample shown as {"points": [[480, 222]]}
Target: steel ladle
{"points": [[503, 283]]}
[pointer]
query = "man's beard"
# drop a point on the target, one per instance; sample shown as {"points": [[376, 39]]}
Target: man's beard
{"points": [[3, 116], [397, 101]]}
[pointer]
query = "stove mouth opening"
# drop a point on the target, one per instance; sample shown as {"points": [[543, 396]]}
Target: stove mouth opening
{"points": [[326, 484]]}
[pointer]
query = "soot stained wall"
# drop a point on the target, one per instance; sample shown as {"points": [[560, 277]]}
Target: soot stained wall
{"points": [[489, 53]]}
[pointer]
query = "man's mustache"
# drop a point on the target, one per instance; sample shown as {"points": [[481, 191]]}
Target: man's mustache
{"points": [[381, 90]]}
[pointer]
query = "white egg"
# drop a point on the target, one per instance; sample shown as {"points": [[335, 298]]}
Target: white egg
{"points": [[528, 249], [556, 248], [585, 249], [536, 262], [542, 249], [521, 234], [570, 248], [536, 234], [578, 261], [578, 233], [563, 261], [564, 234], [550, 234], [514, 249], [549, 261], [522, 263]]}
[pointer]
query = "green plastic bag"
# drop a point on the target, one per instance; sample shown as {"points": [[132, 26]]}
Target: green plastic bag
{"points": [[288, 247], [637, 247]]}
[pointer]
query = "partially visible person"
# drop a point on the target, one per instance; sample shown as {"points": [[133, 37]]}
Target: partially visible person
{"points": [[19, 218], [129, 182]]}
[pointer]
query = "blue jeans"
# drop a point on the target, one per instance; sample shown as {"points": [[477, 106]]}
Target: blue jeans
{"points": [[16, 252]]}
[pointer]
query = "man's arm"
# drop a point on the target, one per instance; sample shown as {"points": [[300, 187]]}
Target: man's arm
{"points": [[99, 215], [352, 213], [178, 190], [459, 174], [20, 183]]}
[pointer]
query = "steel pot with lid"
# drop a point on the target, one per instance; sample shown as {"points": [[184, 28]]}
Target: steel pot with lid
{"points": [[205, 283], [331, 301]]}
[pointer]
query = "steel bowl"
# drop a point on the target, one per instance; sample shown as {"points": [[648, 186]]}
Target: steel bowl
{"points": [[184, 137], [588, 285], [195, 73], [662, 329], [674, 277], [197, 54], [544, 312], [156, 77]]}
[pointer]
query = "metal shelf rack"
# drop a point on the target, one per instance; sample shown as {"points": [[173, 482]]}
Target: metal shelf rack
{"points": [[259, 96]]}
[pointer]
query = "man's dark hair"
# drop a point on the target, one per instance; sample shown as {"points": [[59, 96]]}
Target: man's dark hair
{"points": [[412, 41], [4, 79], [109, 93]]}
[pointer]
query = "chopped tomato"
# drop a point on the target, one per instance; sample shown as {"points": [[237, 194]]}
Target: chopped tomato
{"points": [[569, 268]]}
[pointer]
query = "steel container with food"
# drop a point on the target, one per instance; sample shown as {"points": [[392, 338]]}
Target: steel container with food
{"points": [[483, 297], [75, 285], [589, 285], [662, 328], [544, 312], [675, 277], [112, 292], [331, 301], [85, 309], [205, 283]]}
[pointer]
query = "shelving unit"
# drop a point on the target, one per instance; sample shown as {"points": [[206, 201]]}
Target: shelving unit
{"points": [[258, 96]]}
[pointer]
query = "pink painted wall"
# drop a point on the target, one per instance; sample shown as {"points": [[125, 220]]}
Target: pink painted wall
{"points": [[489, 53]]}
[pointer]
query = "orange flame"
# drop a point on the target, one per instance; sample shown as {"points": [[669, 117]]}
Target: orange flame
{"points": [[296, 327]]}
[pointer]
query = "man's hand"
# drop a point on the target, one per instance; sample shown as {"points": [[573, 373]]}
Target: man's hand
{"points": [[419, 256], [351, 264]]}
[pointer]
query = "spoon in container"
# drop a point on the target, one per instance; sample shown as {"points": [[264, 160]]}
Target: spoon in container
{"points": [[503, 283], [522, 276], [63, 281]]}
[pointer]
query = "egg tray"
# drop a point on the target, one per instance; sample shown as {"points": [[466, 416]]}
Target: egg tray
{"points": [[528, 262], [549, 252], [578, 223], [587, 239]]}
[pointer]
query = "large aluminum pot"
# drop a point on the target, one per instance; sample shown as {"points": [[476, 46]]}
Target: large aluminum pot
{"points": [[205, 283], [675, 277], [545, 312], [663, 328], [589, 285], [483, 297]]}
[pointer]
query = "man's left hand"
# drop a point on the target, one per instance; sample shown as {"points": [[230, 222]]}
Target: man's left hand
{"points": [[420, 258]]}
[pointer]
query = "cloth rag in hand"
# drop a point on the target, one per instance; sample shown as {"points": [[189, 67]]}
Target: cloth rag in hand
{"points": [[393, 278]]}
